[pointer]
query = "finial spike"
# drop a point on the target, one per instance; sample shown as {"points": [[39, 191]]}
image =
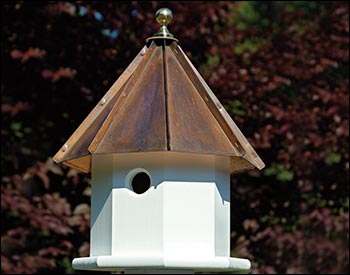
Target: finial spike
{"points": [[163, 17]]}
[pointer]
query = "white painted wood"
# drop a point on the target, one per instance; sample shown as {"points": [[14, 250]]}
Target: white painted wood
{"points": [[138, 222], [158, 271], [122, 263], [189, 209], [101, 205], [222, 207], [181, 222]]}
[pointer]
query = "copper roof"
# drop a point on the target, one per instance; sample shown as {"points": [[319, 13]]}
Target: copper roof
{"points": [[159, 103]]}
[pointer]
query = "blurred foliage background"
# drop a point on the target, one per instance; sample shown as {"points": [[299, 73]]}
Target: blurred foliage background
{"points": [[281, 68]]}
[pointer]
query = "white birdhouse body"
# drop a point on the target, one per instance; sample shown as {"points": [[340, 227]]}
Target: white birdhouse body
{"points": [[181, 220], [184, 212]]}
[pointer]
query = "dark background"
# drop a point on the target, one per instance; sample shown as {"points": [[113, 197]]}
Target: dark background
{"points": [[280, 68]]}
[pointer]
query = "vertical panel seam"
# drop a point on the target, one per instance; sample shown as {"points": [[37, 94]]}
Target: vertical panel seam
{"points": [[166, 103]]}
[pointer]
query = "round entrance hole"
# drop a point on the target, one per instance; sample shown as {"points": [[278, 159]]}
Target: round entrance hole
{"points": [[140, 183]]}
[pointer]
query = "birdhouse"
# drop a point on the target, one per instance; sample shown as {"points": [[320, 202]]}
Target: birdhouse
{"points": [[160, 148]]}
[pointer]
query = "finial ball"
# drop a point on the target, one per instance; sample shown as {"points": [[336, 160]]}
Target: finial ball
{"points": [[164, 16]]}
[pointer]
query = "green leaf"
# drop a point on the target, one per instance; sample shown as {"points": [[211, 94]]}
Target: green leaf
{"points": [[271, 171], [332, 158], [19, 134], [66, 262], [13, 213], [27, 130], [15, 126], [281, 173], [235, 108], [45, 233], [213, 59], [285, 176]]}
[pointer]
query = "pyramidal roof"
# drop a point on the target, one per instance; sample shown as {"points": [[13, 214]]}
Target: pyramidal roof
{"points": [[159, 103]]}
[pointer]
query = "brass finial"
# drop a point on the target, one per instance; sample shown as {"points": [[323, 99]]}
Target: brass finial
{"points": [[163, 17]]}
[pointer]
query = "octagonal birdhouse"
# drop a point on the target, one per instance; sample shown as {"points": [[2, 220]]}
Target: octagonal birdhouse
{"points": [[160, 148]]}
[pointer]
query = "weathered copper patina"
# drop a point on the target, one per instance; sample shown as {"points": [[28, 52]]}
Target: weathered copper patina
{"points": [[159, 103]]}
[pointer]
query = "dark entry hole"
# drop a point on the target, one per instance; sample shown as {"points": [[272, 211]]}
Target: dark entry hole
{"points": [[140, 183]]}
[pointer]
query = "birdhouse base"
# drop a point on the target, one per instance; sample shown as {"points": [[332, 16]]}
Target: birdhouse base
{"points": [[133, 263], [158, 271]]}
